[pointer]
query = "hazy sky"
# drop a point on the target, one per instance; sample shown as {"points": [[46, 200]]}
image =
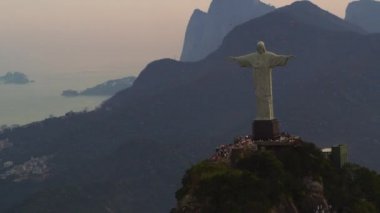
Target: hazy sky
{"points": [[98, 35]]}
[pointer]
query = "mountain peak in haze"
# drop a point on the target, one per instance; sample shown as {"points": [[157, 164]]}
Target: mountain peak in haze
{"points": [[309, 13], [205, 31], [364, 13]]}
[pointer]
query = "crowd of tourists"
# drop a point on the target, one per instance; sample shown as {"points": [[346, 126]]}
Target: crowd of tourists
{"points": [[224, 151]]}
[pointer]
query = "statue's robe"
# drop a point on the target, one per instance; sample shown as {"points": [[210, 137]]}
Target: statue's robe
{"points": [[262, 79]]}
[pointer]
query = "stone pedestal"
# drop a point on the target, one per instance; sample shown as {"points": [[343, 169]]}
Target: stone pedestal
{"points": [[265, 129]]}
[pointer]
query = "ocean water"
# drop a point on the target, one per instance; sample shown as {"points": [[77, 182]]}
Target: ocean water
{"points": [[22, 104]]}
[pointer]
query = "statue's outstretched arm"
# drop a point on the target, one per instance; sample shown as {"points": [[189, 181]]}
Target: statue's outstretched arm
{"points": [[242, 60], [279, 60]]}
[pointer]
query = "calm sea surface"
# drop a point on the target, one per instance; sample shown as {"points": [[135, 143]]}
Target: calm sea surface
{"points": [[22, 104]]}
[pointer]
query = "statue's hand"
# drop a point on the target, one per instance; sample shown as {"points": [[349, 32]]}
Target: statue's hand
{"points": [[291, 56], [231, 58]]}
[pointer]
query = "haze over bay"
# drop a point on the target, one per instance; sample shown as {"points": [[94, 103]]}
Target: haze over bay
{"points": [[21, 104]]}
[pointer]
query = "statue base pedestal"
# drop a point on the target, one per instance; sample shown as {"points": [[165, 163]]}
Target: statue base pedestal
{"points": [[265, 129]]}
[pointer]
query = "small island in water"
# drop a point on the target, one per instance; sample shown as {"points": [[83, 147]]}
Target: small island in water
{"points": [[15, 78], [107, 88]]}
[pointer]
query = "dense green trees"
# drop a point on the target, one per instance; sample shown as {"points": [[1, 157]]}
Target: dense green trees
{"points": [[266, 179]]}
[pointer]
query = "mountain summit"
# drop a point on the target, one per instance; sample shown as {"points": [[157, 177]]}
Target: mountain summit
{"points": [[292, 178], [364, 13], [205, 31], [311, 14]]}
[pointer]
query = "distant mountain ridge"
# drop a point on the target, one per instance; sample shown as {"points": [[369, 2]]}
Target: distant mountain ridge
{"points": [[205, 31], [128, 155], [364, 13], [313, 15], [107, 88]]}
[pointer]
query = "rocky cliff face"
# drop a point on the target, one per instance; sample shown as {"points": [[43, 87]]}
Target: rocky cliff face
{"points": [[206, 31], [364, 13]]}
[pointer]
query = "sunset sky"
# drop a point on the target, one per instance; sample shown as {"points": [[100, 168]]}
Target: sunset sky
{"points": [[55, 36]]}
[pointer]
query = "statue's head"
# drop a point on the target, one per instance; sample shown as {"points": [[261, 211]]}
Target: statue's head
{"points": [[261, 47]]}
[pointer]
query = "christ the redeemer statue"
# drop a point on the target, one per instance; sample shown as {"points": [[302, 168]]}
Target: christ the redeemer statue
{"points": [[262, 63]]}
